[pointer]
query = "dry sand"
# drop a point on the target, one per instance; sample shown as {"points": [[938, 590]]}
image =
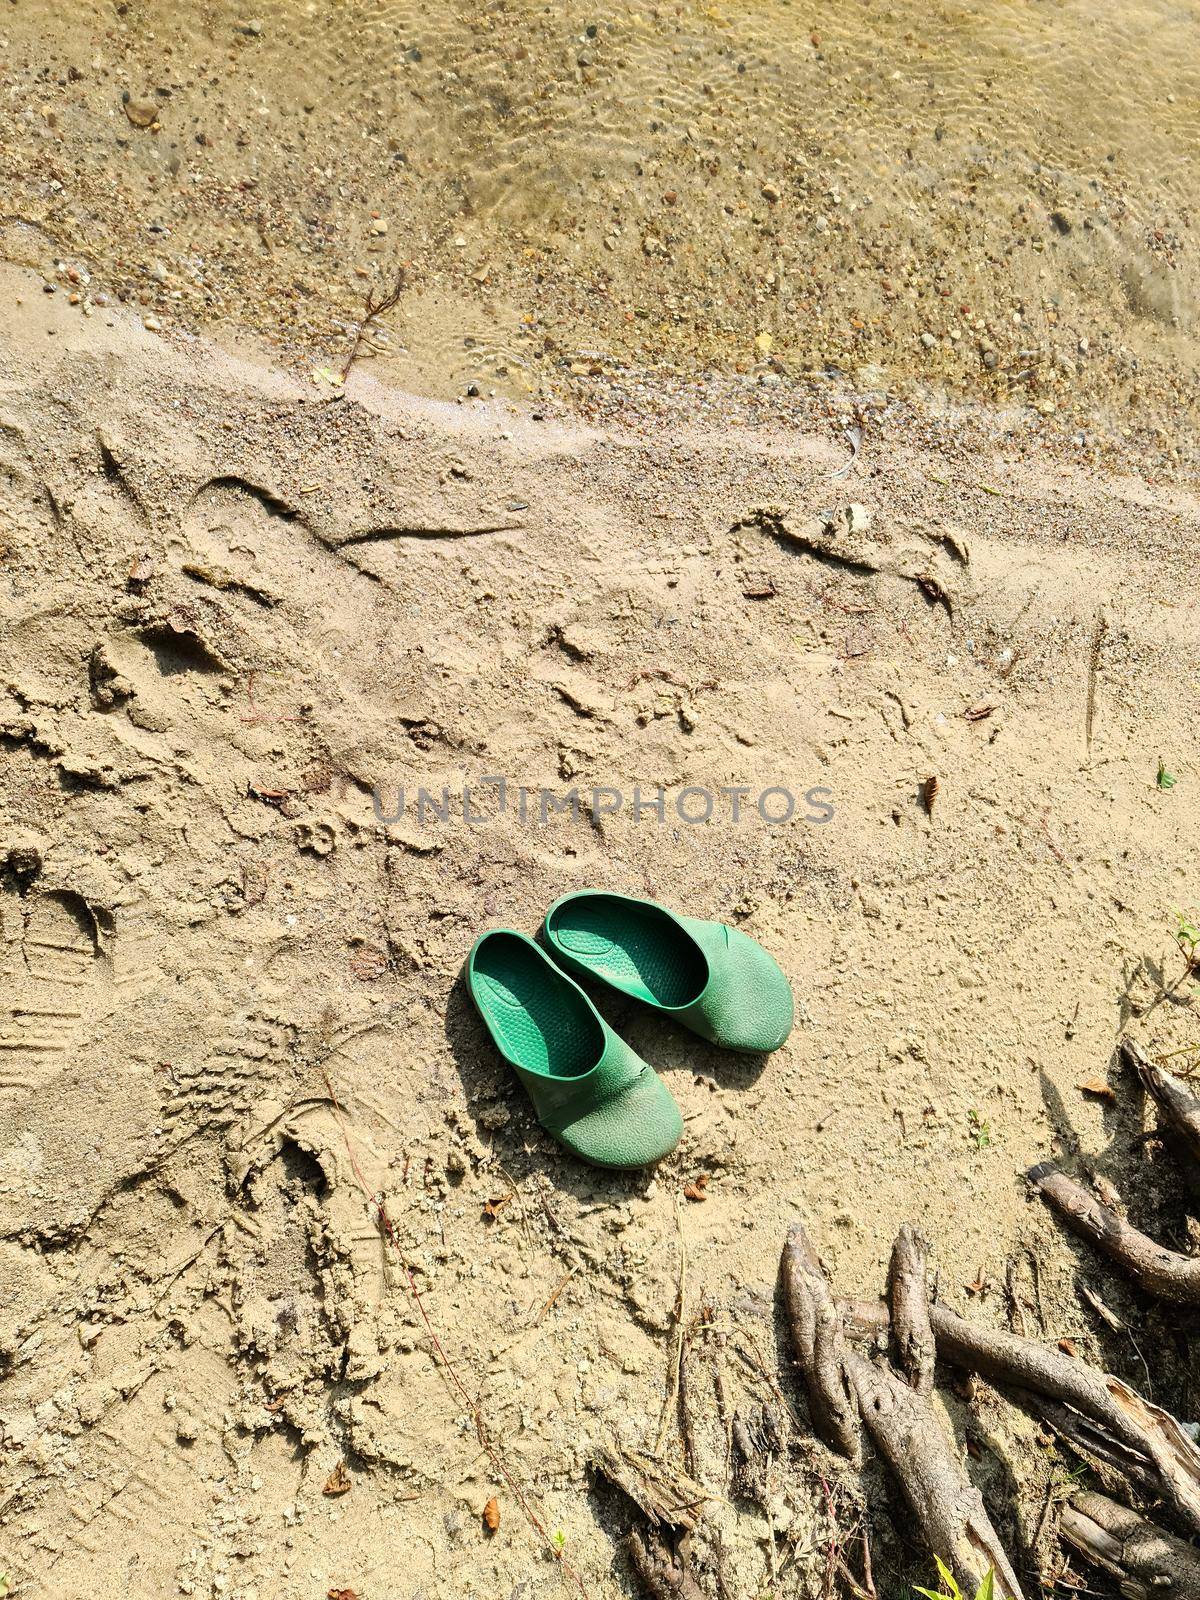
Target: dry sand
{"points": [[231, 608]]}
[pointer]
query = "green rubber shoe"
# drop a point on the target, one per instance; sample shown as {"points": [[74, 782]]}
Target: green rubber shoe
{"points": [[589, 1089], [720, 983]]}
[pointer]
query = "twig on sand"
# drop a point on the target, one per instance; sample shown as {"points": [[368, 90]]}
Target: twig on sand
{"points": [[550, 1303], [868, 1568], [724, 1414], [1094, 675], [377, 307], [686, 1424], [677, 1356]]}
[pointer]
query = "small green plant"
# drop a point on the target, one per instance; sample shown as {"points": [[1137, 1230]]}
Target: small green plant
{"points": [[558, 1538], [981, 1131], [950, 1589], [1165, 779], [1187, 937]]}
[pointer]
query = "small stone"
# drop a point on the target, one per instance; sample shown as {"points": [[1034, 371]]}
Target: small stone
{"points": [[152, 325], [379, 226], [142, 113], [771, 194], [652, 245], [929, 340], [990, 360]]}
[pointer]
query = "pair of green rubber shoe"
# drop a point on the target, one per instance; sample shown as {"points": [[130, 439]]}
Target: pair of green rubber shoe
{"points": [[589, 1089]]}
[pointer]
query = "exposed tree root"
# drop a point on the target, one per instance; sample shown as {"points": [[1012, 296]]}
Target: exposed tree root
{"points": [[900, 1419], [665, 1496], [908, 1291], [1091, 1409], [947, 1505], [819, 1344], [1180, 1109], [1163, 1273], [1098, 1414], [1144, 1560], [664, 1574], [1089, 1439]]}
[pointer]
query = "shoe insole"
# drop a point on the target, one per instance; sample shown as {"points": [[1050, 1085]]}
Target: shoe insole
{"points": [[540, 1018], [638, 949]]}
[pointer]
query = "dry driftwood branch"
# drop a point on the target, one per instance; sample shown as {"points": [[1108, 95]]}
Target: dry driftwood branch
{"points": [[1092, 1409], [1180, 1109], [664, 1574], [947, 1505], [1163, 1273], [908, 1291], [1144, 1560], [815, 1323]]}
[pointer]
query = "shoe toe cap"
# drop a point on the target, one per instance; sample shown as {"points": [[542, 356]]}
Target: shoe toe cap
{"points": [[634, 1129], [759, 1010]]}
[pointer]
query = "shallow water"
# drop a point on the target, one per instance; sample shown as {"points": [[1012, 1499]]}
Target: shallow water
{"points": [[995, 197]]}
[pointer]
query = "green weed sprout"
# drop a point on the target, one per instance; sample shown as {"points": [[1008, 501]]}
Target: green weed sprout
{"points": [[950, 1589]]}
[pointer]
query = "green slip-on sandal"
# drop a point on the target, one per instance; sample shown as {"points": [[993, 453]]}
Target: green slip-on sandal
{"points": [[589, 1089], [720, 983]]}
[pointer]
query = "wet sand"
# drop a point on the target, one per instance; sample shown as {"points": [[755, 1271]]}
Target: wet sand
{"points": [[992, 202]]}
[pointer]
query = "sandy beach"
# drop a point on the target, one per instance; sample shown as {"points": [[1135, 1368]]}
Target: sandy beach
{"points": [[250, 597]]}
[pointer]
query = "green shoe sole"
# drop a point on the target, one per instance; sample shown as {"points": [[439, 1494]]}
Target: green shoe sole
{"points": [[589, 1089], [712, 978]]}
